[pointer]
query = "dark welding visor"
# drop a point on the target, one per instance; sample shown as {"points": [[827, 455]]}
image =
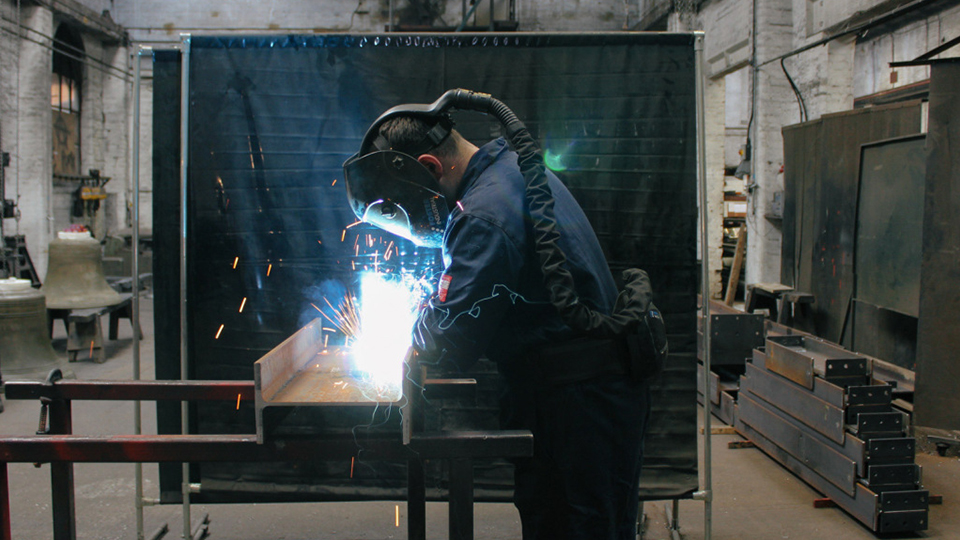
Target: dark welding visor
{"points": [[396, 193]]}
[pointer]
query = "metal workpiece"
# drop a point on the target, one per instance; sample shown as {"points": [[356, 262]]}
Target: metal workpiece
{"points": [[796, 401], [865, 505], [734, 334], [302, 372], [800, 359], [818, 453], [807, 403]]}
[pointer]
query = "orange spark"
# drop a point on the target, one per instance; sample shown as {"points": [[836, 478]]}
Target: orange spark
{"points": [[238, 402], [218, 332], [243, 304], [396, 514], [343, 235], [334, 182], [235, 261], [315, 307], [351, 467], [354, 224], [269, 268], [91, 349]]}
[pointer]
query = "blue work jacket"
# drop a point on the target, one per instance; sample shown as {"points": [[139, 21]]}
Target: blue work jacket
{"points": [[491, 299]]}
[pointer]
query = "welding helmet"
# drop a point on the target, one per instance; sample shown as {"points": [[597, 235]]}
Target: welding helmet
{"points": [[394, 191]]}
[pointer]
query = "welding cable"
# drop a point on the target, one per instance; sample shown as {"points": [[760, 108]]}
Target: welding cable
{"points": [[635, 300]]}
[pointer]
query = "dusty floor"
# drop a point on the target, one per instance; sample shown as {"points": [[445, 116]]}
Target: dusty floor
{"points": [[754, 497]]}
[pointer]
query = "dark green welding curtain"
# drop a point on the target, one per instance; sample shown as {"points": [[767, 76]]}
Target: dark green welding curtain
{"points": [[271, 120]]}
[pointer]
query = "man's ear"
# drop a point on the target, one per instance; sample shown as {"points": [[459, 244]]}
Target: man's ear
{"points": [[432, 164]]}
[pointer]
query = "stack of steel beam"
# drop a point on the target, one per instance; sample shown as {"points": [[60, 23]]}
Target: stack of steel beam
{"points": [[816, 409]]}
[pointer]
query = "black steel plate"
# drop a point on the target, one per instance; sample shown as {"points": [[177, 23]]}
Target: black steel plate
{"points": [[888, 422], [910, 520], [896, 501], [853, 411], [888, 450], [870, 395], [903, 474]]}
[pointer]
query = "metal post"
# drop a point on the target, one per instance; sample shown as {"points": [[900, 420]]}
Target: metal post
{"points": [[461, 499], [184, 364], [416, 501], [135, 317], [706, 495], [5, 530], [61, 476], [491, 15]]}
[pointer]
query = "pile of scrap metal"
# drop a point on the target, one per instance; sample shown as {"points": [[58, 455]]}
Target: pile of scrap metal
{"points": [[833, 417]]}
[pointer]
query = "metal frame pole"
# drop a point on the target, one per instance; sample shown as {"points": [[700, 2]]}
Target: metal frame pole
{"points": [[184, 364], [706, 494], [135, 316]]}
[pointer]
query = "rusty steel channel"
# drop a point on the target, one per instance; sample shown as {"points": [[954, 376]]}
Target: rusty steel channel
{"points": [[61, 448]]}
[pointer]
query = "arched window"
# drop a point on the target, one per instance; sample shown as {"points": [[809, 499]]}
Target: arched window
{"points": [[65, 100]]}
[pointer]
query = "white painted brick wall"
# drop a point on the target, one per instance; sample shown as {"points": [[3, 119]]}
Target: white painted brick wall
{"points": [[32, 151]]}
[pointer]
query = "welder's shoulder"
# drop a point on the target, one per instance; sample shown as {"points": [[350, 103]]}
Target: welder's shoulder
{"points": [[497, 200]]}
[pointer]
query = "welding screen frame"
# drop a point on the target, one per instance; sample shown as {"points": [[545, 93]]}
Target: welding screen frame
{"points": [[655, 169]]}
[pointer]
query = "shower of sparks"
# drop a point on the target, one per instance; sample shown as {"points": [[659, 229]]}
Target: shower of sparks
{"points": [[235, 261], [243, 303], [269, 268], [218, 332], [344, 317], [386, 316]]}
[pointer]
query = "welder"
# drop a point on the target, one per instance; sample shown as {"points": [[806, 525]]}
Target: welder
{"points": [[578, 392]]}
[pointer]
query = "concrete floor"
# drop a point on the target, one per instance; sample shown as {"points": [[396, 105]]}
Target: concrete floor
{"points": [[754, 498]]}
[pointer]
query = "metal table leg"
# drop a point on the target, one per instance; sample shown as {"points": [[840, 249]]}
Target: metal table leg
{"points": [[416, 501], [61, 476], [461, 499], [4, 504]]}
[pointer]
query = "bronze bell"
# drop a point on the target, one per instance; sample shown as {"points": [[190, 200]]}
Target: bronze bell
{"points": [[75, 277], [25, 350]]}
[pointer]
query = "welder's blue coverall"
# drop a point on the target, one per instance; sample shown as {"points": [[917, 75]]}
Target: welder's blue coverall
{"points": [[582, 482]]}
